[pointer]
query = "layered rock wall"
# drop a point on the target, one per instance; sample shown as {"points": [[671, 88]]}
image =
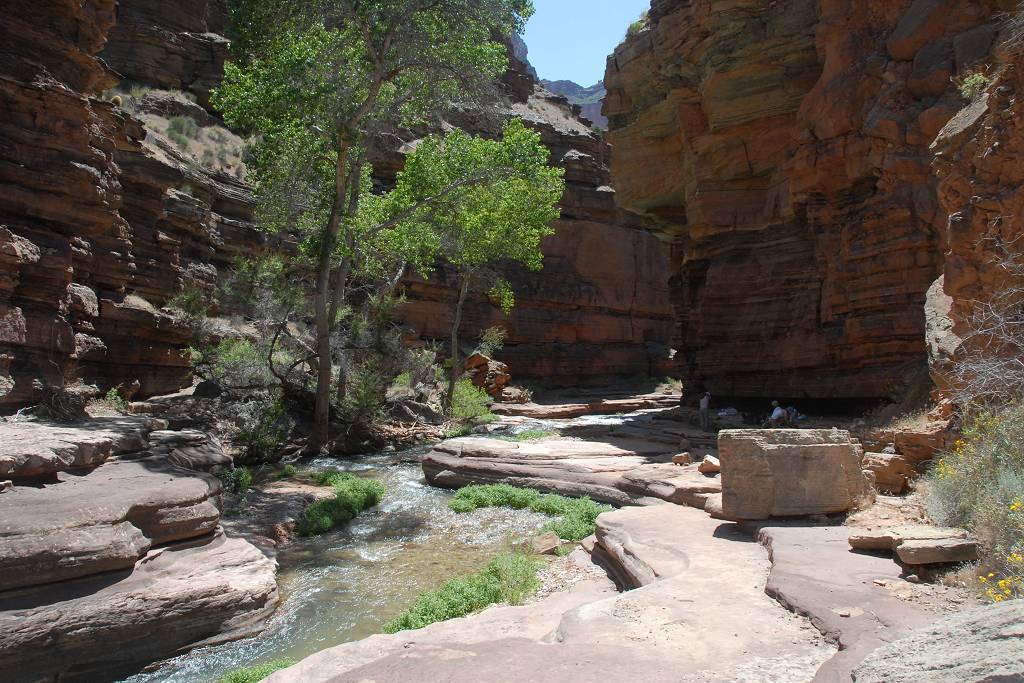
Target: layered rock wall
{"points": [[783, 148], [102, 223]]}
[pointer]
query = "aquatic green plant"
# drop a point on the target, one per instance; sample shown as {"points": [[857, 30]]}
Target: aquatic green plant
{"points": [[255, 673], [576, 516], [508, 578], [352, 495]]}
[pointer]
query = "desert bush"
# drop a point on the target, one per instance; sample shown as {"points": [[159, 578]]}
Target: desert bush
{"points": [[238, 480], [456, 431], [263, 427], [183, 125], [352, 495], [491, 341], [289, 471], [469, 402], [366, 393], [638, 25], [973, 84], [508, 578], [179, 140], [59, 404], [979, 485], [115, 401], [256, 673], [576, 515]]}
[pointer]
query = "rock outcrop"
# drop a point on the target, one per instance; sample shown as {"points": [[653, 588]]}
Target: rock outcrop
{"points": [[783, 149], [789, 473], [978, 157], [117, 559], [984, 644]]}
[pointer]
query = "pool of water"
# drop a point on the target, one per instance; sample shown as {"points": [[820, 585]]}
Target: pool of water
{"points": [[347, 584]]}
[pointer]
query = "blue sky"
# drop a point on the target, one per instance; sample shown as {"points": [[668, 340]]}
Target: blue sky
{"points": [[570, 39]]}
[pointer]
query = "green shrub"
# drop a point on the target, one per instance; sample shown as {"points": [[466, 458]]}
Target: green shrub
{"points": [[238, 480], [973, 85], [979, 485], [508, 578], [457, 431], [469, 402], [638, 25], [114, 399], [576, 515], [289, 471], [491, 341], [530, 435], [263, 428], [352, 495], [256, 673], [366, 394], [180, 140], [183, 125]]}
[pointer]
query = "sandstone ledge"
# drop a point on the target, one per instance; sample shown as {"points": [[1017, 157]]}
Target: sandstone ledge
{"points": [[626, 472], [176, 598]]}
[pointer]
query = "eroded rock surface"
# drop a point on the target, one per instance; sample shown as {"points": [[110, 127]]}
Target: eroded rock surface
{"points": [[984, 645]]}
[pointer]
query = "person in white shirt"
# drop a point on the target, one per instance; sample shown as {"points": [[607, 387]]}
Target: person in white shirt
{"points": [[705, 405], [779, 418]]}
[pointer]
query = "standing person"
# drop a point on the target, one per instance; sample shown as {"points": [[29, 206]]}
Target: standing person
{"points": [[705, 405]]}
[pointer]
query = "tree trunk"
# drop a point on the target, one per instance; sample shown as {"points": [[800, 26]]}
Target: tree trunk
{"points": [[322, 305], [453, 377]]}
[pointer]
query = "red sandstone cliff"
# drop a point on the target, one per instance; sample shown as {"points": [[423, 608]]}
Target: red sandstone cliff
{"points": [[783, 148], [102, 222]]}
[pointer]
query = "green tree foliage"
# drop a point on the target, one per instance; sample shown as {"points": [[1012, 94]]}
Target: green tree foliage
{"points": [[318, 83], [503, 210]]}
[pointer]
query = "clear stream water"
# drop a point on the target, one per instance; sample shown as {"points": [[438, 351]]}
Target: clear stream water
{"points": [[347, 584]]}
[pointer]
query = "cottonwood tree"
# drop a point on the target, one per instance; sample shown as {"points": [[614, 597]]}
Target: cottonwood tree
{"points": [[502, 219], [317, 82]]}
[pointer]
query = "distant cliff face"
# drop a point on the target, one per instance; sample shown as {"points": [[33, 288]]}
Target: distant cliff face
{"points": [[783, 147], [590, 100], [102, 222]]}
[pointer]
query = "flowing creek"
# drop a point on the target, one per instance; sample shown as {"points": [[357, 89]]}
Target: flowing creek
{"points": [[345, 585]]}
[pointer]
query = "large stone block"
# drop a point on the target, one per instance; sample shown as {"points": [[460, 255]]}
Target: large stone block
{"points": [[789, 472]]}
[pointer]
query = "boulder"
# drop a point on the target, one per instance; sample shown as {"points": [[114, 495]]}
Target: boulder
{"points": [[892, 471], [682, 459], [710, 465], [789, 472], [985, 644], [546, 543]]}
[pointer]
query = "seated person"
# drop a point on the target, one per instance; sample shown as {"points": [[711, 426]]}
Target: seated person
{"points": [[779, 417]]}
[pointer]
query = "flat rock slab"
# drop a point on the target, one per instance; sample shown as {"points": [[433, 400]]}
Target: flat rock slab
{"points": [[789, 472], [602, 407], [984, 644], [101, 520], [888, 538], [843, 592], [703, 616], [621, 473], [34, 449], [941, 551], [107, 626]]}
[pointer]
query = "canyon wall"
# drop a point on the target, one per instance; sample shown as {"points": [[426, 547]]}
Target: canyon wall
{"points": [[782, 147], [102, 222]]}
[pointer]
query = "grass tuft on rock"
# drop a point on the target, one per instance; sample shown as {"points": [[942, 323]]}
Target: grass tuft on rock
{"points": [[508, 578], [576, 516], [255, 673], [352, 495]]}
